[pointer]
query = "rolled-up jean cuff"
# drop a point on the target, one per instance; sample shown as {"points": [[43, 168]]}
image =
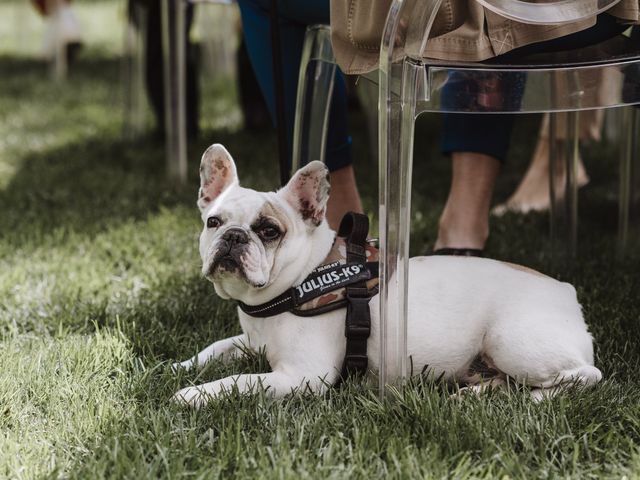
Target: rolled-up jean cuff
{"points": [[488, 134], [339, 157]]}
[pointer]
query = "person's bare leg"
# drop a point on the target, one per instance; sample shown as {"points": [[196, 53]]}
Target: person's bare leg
{"points": [[532, 194], [344, 196], [464, 222]]}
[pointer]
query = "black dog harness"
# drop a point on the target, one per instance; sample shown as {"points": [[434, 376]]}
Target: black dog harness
{"points": [[348, 278]]}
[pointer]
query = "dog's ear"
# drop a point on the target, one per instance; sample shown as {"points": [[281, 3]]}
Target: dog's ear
{"points": [[308, 192], [217, 173]]}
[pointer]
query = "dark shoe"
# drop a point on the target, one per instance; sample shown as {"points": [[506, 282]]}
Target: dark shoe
{"points": [[459, 252], [73, 50]]}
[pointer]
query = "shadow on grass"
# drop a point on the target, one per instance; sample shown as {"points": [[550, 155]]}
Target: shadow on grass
{"points": [[85, 186], [91, 185]]}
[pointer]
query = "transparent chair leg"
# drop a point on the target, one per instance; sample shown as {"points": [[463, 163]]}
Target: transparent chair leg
{"points": [[635, 165], [59, 48], [624, 192], [571, 184], [126, 76], [174, 51], [396, 157], [553, 166], [313, 100], [134, 73]]}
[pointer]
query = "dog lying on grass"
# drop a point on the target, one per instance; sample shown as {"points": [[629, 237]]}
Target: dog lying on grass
{"points": [[472, 320]]}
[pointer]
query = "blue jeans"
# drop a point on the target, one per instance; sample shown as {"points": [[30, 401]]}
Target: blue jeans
{"points": [[295, 16], [490, 134]]}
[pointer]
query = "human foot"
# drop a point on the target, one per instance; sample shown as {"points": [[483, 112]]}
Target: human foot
{"points": [[532, 194], [464, 223], [461, 233]]}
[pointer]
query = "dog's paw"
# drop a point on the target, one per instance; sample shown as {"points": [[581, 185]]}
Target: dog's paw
{"points": [[194, 397], [186, 365]]}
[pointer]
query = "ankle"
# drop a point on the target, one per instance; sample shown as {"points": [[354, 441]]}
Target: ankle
{"points": [[461, 233]]}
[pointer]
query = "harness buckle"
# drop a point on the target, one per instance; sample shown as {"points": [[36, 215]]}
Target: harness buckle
{"points": [[358, 325], [358, 293], [357, 331]]}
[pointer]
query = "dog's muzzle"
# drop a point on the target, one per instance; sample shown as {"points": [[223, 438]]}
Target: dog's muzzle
{"points": [[231, 247]]}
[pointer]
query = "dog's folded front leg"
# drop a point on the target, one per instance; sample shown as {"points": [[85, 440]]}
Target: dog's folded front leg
{"points": [[275, 383], [227, 349]]}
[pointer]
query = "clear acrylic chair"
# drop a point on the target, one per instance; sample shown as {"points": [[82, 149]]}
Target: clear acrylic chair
{"points": [[58, 47], [410, 84], [174, 53], [133, 66], [313, 98]]}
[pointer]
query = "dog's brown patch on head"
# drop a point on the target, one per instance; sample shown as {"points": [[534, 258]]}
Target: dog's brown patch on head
{"points": [[308, 192], [270, 211], [522, 268], [308, 209], [220, 166], [218, 176], [308, 212], [217, 173]]}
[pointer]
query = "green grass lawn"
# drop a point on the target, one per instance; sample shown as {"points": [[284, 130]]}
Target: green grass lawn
{"points": [[100, 289]]}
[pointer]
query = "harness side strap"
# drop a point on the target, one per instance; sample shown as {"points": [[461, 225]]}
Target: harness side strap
{"points": [[354, 228]]}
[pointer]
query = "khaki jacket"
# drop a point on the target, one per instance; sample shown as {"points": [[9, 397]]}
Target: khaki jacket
{"points": [[463, 30]]}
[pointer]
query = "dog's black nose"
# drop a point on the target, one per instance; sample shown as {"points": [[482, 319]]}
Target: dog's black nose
{"points": [[235, 235]]}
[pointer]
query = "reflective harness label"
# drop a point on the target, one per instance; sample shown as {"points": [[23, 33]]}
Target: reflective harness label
{"points": [[330, 277]]}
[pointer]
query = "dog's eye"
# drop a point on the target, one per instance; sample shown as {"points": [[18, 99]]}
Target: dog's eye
{"points": [[213, 222], [269, 233]]}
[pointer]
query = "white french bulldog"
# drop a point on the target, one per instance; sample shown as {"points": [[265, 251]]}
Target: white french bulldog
{"points": [[514, 321]]}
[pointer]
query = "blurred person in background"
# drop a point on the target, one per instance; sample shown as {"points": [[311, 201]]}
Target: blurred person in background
{"points": [[252, 103], [64, 28], [154, 69]]}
